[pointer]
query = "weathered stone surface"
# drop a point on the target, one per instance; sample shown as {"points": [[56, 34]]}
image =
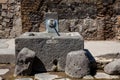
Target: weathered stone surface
{"points": [[3, 24], [3, 13], [11, 1], [0, 27], [3, 45], [3, 1], [51, 50], [7, 56], [3, 71], [77, 64], [6, 20], [24, 62], [7, 51], [1, 17], [101, 75], [10, 15], [24, 79], [4, 6], [1, 78], [113, 67], [62, 79], [88, 77], [45, 76]]}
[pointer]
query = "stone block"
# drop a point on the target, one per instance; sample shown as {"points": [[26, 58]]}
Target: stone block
{"points": [[0, 27], [3, 1], [10, 15], [11, 1], [77, 64], [7, 58], [24, 62], [113, 67], [0, 17], [3, 13], [45, 76], [51, 50], [101, 75], [6, 20], [4, 6], [4, 24], [3, 71]]}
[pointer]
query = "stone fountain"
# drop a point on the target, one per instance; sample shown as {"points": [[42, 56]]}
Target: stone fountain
{"points": [[50, 47]]}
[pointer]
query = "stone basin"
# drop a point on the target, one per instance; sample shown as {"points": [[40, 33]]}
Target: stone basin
{"points": [[49, 35], [51, 49]]}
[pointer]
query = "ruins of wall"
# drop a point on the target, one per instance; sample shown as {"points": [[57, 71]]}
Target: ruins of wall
{"points": [[10, 21], [94, 19]]}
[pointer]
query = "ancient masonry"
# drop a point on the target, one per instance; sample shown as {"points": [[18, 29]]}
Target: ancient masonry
{"points": [[94, 19], [10, 18]]}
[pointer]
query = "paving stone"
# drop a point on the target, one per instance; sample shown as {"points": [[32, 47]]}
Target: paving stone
{"points": [[24, 79], [98, 48], [101, 75], [45, 76], [88, 77], [62, 79], [3, 71]]}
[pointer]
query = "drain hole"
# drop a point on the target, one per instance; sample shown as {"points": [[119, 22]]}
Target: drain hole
{"points": [[55, 62]]}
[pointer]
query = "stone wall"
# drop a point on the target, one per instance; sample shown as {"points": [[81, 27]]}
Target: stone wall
{"points": [[94, 19], [10, 19]]}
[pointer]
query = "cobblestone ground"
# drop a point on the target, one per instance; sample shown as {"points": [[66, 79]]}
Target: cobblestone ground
{"points": [[61, 75], [97, 48]]}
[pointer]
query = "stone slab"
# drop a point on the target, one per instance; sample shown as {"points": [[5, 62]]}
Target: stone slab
{"points": [[101, 75], [45, 76], [51, 50], [62, 79], [98, 48], [3, 71], [24, 79]]}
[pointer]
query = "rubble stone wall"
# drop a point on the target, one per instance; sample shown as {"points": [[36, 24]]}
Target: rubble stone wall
{"points": [[10, 18], [94, 19]]}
